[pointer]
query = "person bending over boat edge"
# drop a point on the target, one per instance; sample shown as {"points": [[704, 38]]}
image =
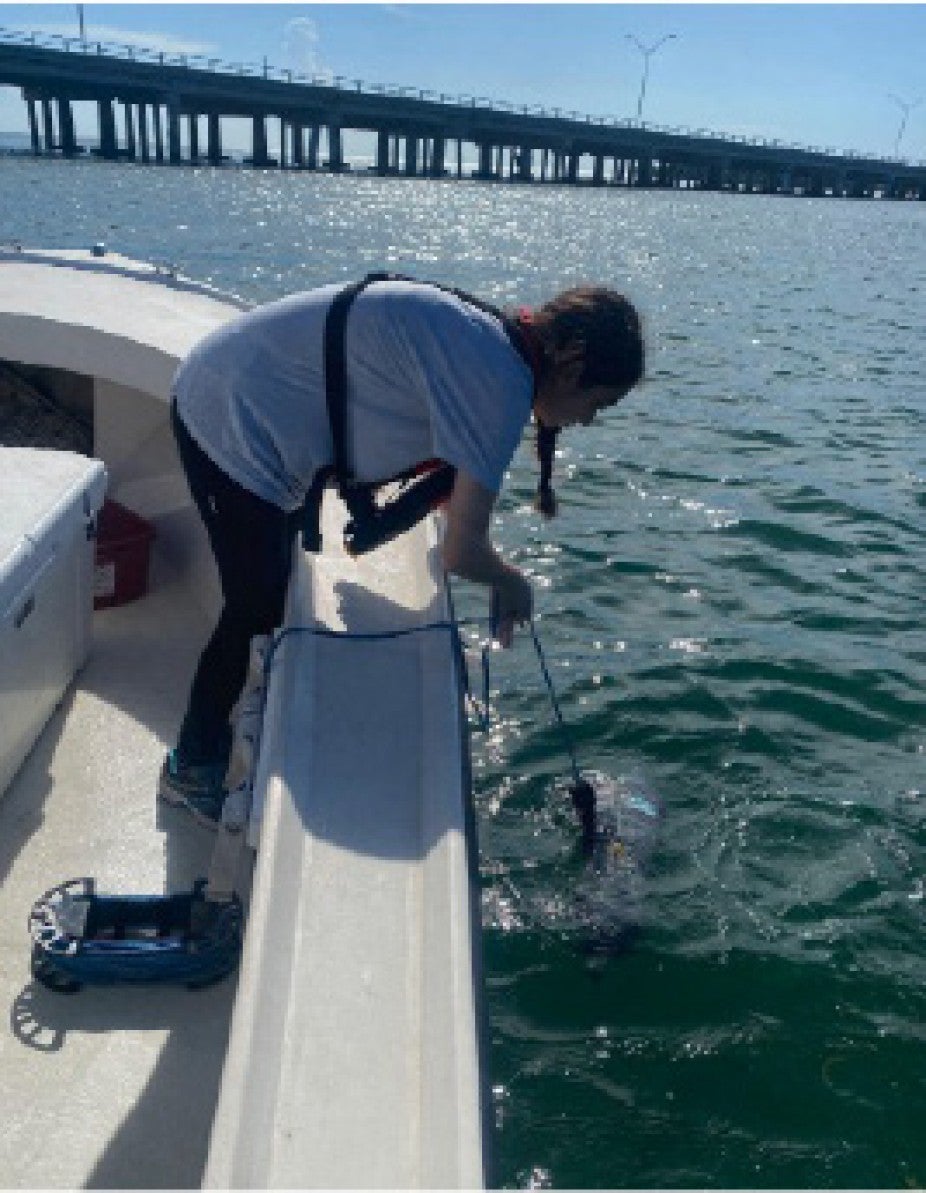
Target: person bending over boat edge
{"points": [[430, 374]]}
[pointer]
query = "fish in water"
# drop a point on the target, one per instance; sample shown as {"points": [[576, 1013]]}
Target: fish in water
{"points": [[617, 843]]}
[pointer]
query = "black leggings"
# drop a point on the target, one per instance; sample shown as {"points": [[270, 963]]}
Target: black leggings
{"points": [[252, 542]]}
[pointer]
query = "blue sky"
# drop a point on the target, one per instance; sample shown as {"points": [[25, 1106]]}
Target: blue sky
{"points": [[817, 74]]}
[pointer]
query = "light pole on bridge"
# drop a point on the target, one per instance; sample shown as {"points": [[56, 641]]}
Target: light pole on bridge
{"points": [[906, 108], [647, 52]]}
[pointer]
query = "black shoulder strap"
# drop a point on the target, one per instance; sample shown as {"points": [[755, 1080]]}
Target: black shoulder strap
{"points": [[371, 524], [335, 360], [335, 355]]}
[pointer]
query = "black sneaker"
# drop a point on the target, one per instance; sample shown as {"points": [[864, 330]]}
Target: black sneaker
{"points": [[198, 789]]}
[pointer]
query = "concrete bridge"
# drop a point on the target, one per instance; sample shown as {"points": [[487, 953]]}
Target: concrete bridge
{"points": [[415, 133]]}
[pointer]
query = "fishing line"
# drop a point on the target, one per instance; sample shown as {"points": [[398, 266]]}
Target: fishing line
{"points": [[566, 735], [580, 790]]}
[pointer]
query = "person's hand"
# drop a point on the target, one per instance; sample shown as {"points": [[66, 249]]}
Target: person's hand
{"points": [[512, 604]]}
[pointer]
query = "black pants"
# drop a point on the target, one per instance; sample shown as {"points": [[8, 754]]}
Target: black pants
{"points": [[252, 542]]}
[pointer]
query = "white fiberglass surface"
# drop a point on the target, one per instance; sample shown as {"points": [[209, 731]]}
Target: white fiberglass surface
{"points": [[111, 1087], [353, 1056]]}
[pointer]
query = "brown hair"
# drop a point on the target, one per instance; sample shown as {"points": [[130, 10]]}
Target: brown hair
{"points": [[608, 326]]}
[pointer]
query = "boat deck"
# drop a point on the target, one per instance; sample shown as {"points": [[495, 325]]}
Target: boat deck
{"points": [[114, 1087], [354, 1056]]}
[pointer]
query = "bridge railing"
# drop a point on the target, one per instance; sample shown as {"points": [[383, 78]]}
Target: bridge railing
{"points": [[201, 62]]}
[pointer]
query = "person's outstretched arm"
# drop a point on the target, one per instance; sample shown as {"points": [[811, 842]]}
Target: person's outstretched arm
{"points": [[469, 553]]}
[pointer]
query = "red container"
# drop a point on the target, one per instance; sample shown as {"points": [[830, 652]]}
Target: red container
{"points": [[123, 548]]}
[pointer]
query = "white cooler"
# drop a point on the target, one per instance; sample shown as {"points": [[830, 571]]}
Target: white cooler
{"points": [[49, 501]]}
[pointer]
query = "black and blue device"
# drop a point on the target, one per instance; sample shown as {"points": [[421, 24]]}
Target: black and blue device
{"points": [[83, 938]]}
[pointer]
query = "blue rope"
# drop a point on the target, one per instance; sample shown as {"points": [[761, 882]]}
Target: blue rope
{"points": [[481, 714], [582, 794]]}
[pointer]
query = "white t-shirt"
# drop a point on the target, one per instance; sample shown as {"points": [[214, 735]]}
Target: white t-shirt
{"points": [[428, 376]]}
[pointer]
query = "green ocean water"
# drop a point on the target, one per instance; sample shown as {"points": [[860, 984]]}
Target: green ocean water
{"points": [[731, 602]]}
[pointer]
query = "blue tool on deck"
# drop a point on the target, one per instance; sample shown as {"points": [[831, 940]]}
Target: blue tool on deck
{"points": [[80, 937], [193, 938]]}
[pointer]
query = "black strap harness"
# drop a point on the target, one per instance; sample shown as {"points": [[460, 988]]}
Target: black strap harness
{"points": [[373, 519]]}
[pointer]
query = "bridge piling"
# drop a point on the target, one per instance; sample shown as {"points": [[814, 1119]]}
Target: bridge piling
{"points": [[69, 146], [259, 155], [382, 152], [214, 139], [129, 131], [438, 154], [143, 148], [174, 155], [158, 135], [33, 126], [335, 148], [411, 156], [49, 126], [107, 119]]}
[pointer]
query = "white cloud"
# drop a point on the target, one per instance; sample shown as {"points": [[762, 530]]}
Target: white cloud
{"points": [[159, 42], [401, 12], [301, 42]]}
